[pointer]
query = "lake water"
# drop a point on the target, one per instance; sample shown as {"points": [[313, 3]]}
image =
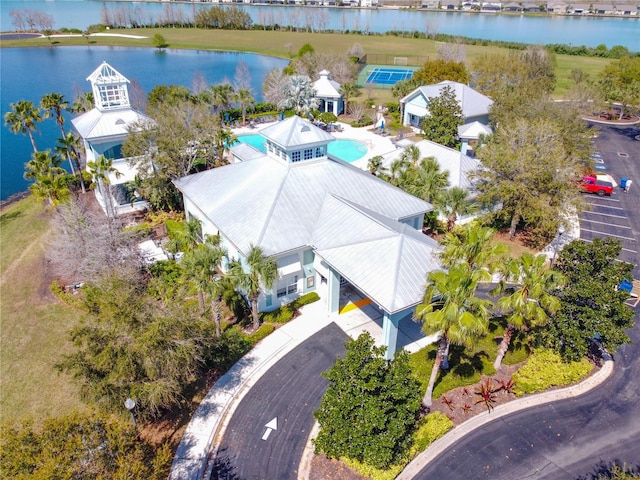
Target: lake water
{"points": [[30, 73], [572, 30]]}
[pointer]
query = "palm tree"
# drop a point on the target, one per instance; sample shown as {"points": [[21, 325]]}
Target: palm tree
{"points": [[453, 202], [473, 246], [221, 97], [348, 91], [50, 179], [83, 103], [223, 139], [244, 98], [263, 271], [451, 309], [411, 156], [70, 146], [100, 170], [22, 119], [375, 164], [201, 266], [427, 181], [529, 302], [53, 104], [299, 95], [186, 238]]}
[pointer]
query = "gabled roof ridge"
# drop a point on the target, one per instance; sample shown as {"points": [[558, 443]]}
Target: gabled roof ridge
{"points": [[274, 204]]}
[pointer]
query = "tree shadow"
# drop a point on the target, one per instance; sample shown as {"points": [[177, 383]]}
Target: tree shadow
{"points": [[7, 217], [223, 467], [462, 363]]}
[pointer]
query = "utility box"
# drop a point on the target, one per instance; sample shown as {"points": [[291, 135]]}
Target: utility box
{"points": [[623, 182]]}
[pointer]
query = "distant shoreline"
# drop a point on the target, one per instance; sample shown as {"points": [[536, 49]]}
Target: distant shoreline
{"points": [[16, 197]]}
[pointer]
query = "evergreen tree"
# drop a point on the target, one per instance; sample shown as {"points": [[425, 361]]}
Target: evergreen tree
{"points": [[371, 406], [444, 118]]}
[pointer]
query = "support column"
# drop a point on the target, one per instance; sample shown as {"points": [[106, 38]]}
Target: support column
{"points": [[334, 292], [390, 334]]}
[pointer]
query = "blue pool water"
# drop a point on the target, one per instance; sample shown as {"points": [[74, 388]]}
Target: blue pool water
{"points": [[346, 150]]}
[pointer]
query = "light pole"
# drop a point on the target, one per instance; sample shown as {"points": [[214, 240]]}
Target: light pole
{"points": [[130, 404], [557, 244]]}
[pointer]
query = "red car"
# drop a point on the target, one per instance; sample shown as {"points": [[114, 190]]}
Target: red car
{"points": [[596, 185]]}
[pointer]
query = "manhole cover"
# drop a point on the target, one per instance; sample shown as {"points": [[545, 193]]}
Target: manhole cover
{"points": [[622, 154]]}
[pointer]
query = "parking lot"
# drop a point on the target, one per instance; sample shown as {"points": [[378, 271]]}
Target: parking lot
{"points": [[617, 153]]}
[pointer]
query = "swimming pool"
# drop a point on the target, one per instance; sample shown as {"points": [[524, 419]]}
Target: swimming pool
{"points": [[345, 149]]}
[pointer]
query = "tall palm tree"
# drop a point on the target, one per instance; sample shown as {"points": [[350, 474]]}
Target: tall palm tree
{"points": [[100, 169], [451, 309], [348, 91], [223, 139], [221, 97], [83, 103], [262, 272], [453, 202], [529, 300], [473, 246], [53, 104], [70, 146], [40, 164], [243, 98], [201, 266], [22, 119]]}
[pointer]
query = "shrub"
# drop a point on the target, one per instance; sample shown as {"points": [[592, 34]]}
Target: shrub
{"points": [[286, 312], [263, 332], [545, 369], [230, 347], [431, 428], [68, 298]]}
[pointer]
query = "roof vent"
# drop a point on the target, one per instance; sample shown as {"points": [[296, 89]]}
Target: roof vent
{"points": [[305, 128], [120, 122]]}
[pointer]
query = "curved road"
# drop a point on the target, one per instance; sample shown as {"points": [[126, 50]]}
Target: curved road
{"points": [[290, 392], [575, 438]]}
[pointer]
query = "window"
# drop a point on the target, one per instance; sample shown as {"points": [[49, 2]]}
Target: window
{"points": [[311, 282], [295, 156], [308, 154], [281, 292], [319, 152], [111, 95], [293, 288], [269, 300]]}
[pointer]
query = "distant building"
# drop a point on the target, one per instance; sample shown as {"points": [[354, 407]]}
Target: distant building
{"points": [[415, 106], [103, 131], [328, 94]]}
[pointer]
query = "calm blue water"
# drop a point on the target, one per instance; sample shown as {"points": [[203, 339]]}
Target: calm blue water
{"points": [[344, 149], [30, 73], [513, 28]]}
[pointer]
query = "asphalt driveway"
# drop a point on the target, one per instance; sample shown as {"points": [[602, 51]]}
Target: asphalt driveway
{"points": [[289, 392]]}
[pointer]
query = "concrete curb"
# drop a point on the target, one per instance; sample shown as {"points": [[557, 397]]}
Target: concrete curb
{"points": [[472, 424]]}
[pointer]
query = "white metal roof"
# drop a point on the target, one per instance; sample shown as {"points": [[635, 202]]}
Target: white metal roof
{"points": [[96, 124], [325, 87], [473, 130], [473, 103], [295, 132], [275, 206], [387, 260]]}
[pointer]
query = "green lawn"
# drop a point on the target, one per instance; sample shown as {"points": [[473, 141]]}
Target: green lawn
{"points": [[283, 44], [34, 324], [467, 365]]}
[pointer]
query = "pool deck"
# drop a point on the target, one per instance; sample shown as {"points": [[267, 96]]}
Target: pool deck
{"points": [[376, 144]]}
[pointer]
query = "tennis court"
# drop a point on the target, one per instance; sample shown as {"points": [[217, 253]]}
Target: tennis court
{"points": [[388, 75]]}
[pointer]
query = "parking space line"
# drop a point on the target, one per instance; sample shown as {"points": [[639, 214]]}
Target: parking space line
{"points": [[608, 234], [605, 214], [605, 206], [609, 199], [610, 224]]}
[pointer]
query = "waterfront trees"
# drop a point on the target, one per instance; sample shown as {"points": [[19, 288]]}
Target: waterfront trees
{"points": [[371, 406], [23, 119], [101, 168], [619, 82]]}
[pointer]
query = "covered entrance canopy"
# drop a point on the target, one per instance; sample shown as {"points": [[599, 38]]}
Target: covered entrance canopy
{"points": [[385, 259]]}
